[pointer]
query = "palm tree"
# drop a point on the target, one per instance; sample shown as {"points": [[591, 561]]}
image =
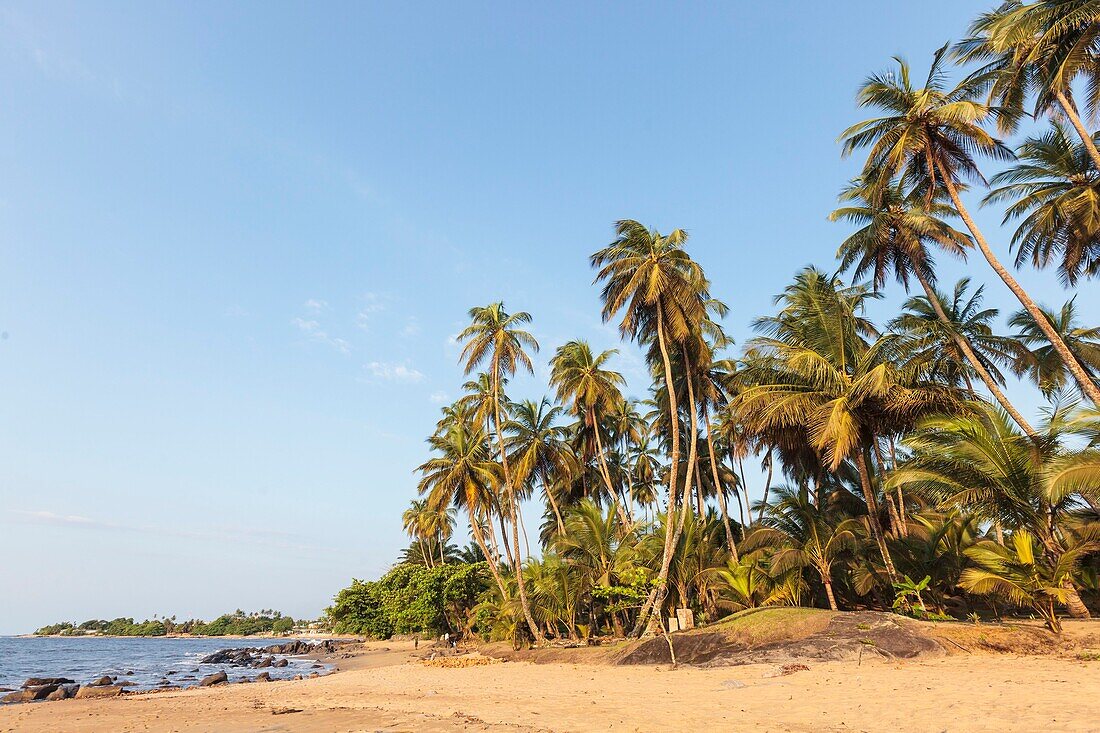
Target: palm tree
{"points": [[596, 544], [1025, 575], [928, 136], [494, 337], [931, 342], [895, 232], [804, 535], [813, 370], [978, 463], [1037, 358], [652, 281], [539, 449], [1038, 50], [1055, 190], [465, 475], [415, 523], [582, 380]]}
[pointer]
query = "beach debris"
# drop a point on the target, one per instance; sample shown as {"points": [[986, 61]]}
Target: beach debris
{"points": [[732, 684], [101, 682], [217, 678], [792, 668], [469, 660], [285, 711], [86, 692]]}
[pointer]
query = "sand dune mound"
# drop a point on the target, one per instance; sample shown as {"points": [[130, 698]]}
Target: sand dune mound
{"points": [[783, 635]]}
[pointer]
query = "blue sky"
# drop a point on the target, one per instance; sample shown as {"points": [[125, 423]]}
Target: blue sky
{"points": [[238, 240]]}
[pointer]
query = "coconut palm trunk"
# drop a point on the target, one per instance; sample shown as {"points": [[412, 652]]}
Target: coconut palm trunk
{"points": [[656, 597], [693, 445], [490, 554], [1088, 387], [863, 467], [605, 473], [968, 351], [718, 490], [1074, 118], [513, 514], [828, 588], [767, 487]]}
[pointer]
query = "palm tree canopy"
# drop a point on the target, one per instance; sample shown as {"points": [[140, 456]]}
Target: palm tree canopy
{"points": [[894, 233], [644, 271], [924, 132], [1038, 359], [1055, 191], [494, 335], [582, 379], [930, 343]]}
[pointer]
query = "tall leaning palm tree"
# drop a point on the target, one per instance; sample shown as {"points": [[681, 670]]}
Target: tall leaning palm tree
{"points": [[583, 380], [1037, 50], [1055, 192], [650, 278], [928, 137], [465, 475], [894, 235], [496, 339]]}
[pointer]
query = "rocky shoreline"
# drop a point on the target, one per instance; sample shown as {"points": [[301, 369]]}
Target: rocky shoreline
{"points": [[48, 689]]}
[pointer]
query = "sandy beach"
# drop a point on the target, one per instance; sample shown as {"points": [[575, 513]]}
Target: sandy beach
{"points": [[382, 687]]}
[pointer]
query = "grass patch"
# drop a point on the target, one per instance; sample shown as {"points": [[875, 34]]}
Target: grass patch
{"points": [[757, 626]]}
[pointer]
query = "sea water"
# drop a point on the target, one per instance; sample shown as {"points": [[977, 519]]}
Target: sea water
{"points": [[145, 661]]}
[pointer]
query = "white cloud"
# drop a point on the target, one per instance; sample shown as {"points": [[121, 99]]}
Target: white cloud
{"points": [[315, 306], [372, 303], [438, 398], [235, 311], [412, 328], [312, 329], [43, 517], [393, 372]]}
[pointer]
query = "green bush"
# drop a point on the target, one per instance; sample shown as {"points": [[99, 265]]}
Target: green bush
{"points": [[410, 599]]}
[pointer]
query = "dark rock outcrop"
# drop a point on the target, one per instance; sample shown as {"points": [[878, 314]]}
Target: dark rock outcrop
{"points": [[101, 682], [40, 681], [217, 678], [93, 693]]}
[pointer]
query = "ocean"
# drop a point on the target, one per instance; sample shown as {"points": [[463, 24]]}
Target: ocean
{"points": [[144, 661]]}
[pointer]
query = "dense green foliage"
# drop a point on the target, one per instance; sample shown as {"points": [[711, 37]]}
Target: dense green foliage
{"points": [[411, 598]]}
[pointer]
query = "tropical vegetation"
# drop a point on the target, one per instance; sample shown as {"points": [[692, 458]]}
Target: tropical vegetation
{"points": [[901, 462]]}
